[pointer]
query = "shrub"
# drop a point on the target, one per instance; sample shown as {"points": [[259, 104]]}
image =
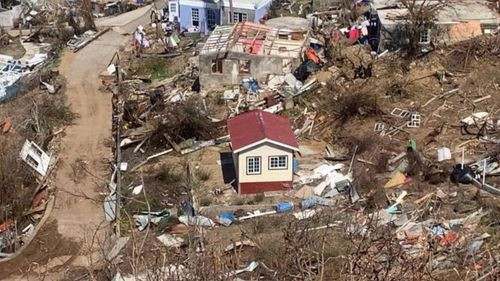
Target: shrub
{"points": [[167, 175], [205, 201], [202, 175], [259, 198]]}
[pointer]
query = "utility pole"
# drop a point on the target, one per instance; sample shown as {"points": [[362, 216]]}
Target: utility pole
{"points": [[118, 156], [231, 16]]}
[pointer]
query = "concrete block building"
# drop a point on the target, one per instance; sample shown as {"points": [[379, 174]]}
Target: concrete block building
{"points": [[248, 50]]}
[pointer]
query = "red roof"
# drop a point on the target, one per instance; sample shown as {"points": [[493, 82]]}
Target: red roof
{"points": [[257, 125]]}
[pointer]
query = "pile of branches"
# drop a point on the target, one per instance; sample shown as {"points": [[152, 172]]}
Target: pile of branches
{"points": [[186, 120], [477, 48], [353, 103]]}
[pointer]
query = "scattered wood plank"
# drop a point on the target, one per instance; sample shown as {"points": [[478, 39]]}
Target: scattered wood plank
{"points": [[366, 162], [169, 55], [174, 145], [150, 158], [443, 95], [481, 99], [97, 35]]}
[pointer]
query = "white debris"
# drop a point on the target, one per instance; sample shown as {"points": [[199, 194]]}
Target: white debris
{"points": [[110, 207], [111, 69], [304, 214], [143, 219], [170, 240], [50, 88], [123, 166], [444, 153], [251, 267], [137, 190], [475, 117], [196, 221], [35, 157], [318, 190], [28, 230]]}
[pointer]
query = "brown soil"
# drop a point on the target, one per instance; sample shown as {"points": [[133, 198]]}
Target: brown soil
{"points": [[15, 49], [77, 212]]}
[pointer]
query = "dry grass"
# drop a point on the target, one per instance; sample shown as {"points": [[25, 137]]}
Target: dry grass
{"points": [[355, 103], [17, 181]]}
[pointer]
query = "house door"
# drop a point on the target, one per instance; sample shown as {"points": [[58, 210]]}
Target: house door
{"points": [[173, 12]]}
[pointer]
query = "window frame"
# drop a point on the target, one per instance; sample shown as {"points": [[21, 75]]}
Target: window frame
{"points": [[32, 161], [279, 167], [197, 17], [236, 17], [219, 66], [425, 33], [245, 66], [174, 6], [211, 18], [247, 165]]}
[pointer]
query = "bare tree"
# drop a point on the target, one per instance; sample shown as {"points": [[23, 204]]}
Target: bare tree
{"points": [[419, 19]]}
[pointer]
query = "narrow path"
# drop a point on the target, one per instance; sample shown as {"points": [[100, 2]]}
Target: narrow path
{"points": [[87, 143], [67, 239]]}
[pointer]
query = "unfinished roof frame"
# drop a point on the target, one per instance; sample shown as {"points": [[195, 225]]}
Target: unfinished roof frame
{"points": [[257, 39]]}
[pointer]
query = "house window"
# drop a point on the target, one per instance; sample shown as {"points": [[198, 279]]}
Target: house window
{"points": [[278, 162], [244, 66], [425, 36], [211, 21], [173, 8], [195, 17], [239, 17], [217, 66], [30, 160], [253, 165]]}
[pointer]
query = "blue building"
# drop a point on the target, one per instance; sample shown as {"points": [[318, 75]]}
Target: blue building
{"points": [[204, 15]]}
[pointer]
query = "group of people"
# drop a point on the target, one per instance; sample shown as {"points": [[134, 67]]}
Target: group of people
{"points": [[167, 31]]}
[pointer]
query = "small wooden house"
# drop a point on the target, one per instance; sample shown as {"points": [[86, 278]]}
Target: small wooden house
{"points": [[263, 145]]}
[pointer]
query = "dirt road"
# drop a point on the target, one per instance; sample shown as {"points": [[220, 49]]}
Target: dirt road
{"points": [[66, 241]]}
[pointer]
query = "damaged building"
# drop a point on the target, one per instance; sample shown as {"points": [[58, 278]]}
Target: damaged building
{"points": [[455, 22], [248, 50], [10, 13]]}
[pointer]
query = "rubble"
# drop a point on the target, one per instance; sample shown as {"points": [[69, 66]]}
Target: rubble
{"points": [[374, 187], [35, 157]]}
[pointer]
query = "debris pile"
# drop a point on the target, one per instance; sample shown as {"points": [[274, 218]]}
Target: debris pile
{"points": [[392, 176]]}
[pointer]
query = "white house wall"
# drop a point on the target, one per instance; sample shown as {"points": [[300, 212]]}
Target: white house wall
{"points": [[264, 151]]}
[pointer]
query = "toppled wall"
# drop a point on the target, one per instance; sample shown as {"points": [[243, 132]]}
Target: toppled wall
{"points": [[212, 76]]}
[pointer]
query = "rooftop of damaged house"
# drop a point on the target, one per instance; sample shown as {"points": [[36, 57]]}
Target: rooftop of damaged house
{"points": [[290, 140], [247, 50]]}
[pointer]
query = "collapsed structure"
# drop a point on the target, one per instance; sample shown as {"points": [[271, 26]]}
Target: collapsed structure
{"points": [[249, 50]]}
